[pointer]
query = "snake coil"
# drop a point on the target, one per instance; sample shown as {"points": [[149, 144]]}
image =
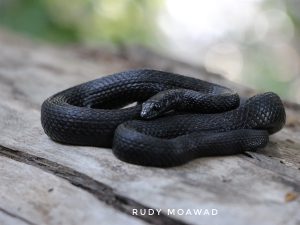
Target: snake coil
{"points": [[176, 119]]}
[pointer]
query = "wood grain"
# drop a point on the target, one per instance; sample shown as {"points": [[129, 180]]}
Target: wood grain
{"points": [[30, 196], [245, 189]]}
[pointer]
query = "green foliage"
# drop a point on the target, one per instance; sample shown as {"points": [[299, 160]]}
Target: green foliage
{"points": [[32, 18], [265, 66], [263, 71], [116, 21]]}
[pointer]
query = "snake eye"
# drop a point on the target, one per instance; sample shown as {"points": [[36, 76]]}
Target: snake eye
{"points": [[156, 107]]}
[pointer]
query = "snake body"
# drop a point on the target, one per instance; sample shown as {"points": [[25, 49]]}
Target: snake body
{"points": [[177, 118]]}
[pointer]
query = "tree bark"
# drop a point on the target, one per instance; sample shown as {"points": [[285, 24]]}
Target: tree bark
{"points": [[43, 182]]}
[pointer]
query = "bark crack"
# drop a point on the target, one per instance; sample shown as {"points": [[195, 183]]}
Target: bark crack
{"points": [[16, 216], [99, 190], [287, 174]]}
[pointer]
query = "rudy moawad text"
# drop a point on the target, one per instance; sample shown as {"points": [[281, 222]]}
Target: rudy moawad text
{"points": [[173, 211]]}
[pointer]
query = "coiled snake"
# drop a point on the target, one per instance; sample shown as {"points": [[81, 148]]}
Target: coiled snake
{"points": [[177, 118]]}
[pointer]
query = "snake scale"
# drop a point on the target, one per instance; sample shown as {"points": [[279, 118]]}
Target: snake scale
{"points": [[176, 118]]}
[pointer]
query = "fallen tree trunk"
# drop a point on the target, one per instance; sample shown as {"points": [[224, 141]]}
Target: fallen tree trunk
{"points": [[42, 182]]}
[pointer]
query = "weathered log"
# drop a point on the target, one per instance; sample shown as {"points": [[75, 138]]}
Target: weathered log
{"points": [[42, 182]]}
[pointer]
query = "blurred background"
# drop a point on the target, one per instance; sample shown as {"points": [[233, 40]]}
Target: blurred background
{"points": [[253, 42]]}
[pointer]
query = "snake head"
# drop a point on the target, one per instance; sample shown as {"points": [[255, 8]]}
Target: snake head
{"points": [[151, 109]]}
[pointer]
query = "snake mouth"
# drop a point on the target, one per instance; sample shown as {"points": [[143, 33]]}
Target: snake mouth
{"points": [[145, 114], [150, 110]]}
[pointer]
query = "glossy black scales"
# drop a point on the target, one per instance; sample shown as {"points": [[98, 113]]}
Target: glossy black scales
{"points": [[181, 118]]}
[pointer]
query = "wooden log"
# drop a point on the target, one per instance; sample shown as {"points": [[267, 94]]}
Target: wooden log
{"points": [[253, 188], [31, 196]]}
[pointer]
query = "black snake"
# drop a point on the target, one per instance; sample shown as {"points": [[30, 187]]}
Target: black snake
{"points": [[176, 118]]}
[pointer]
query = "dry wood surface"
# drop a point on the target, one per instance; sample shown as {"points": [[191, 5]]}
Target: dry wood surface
{"points": [[43, 182]]}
